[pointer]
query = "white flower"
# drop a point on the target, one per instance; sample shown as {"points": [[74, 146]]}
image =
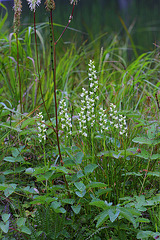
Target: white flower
{"points": [[32, 4], [41, 127]]}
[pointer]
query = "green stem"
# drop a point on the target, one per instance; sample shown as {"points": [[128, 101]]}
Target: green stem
{"points": [[146, 173], [44, 152]]}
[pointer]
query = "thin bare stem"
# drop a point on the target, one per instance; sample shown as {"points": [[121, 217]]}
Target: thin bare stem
{"points": [[19, 78], [39, 78], [70, 18], [53, 61]]}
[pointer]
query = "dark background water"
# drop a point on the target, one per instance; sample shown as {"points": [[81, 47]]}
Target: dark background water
{"points": [[95, 17]]}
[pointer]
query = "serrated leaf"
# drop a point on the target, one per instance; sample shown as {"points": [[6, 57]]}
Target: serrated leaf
{"points": [[76, 209], [4, 226], [5, 217], [90, 168], [100, 204], [102, 217], [143, 220], [127, 215], [113, 216], [26, 230], [96, 184]]}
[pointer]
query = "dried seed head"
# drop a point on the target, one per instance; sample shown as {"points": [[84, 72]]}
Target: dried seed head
{"points": [[50, 5], [17, 12]]}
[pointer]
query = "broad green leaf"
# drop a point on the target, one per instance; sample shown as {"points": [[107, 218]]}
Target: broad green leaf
{"points": [[21, 222], [60, 210], [49, 199], [144, 154], [143, 234], [68, 201], [48, 174], [29, 121], [26, 230], [19, 169], [103, 191], [4, 226], [155, 156], [19, 159], [10, 189], [76, 209], [2, 179], [60, 169], [106, 153], [55, 204], [78, 157], [151, 133], [15, 152], [3, 187], [102, 217], [127, 215], [113, 216], [58, 187], [155, 174], [100, 204], [143, 140], [80, 174], [80, 186], [7, 172], [96, 184], [5, 217], [29, 170], [80, 194], [143, 220], [90, 168], [10, 159]]}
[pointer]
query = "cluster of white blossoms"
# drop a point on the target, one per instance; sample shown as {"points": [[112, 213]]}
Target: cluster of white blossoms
{"points": [[118, 121], [32, 4], [103, 120], [73, 1], [65, 119], [87, 115], [41, 127]]}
